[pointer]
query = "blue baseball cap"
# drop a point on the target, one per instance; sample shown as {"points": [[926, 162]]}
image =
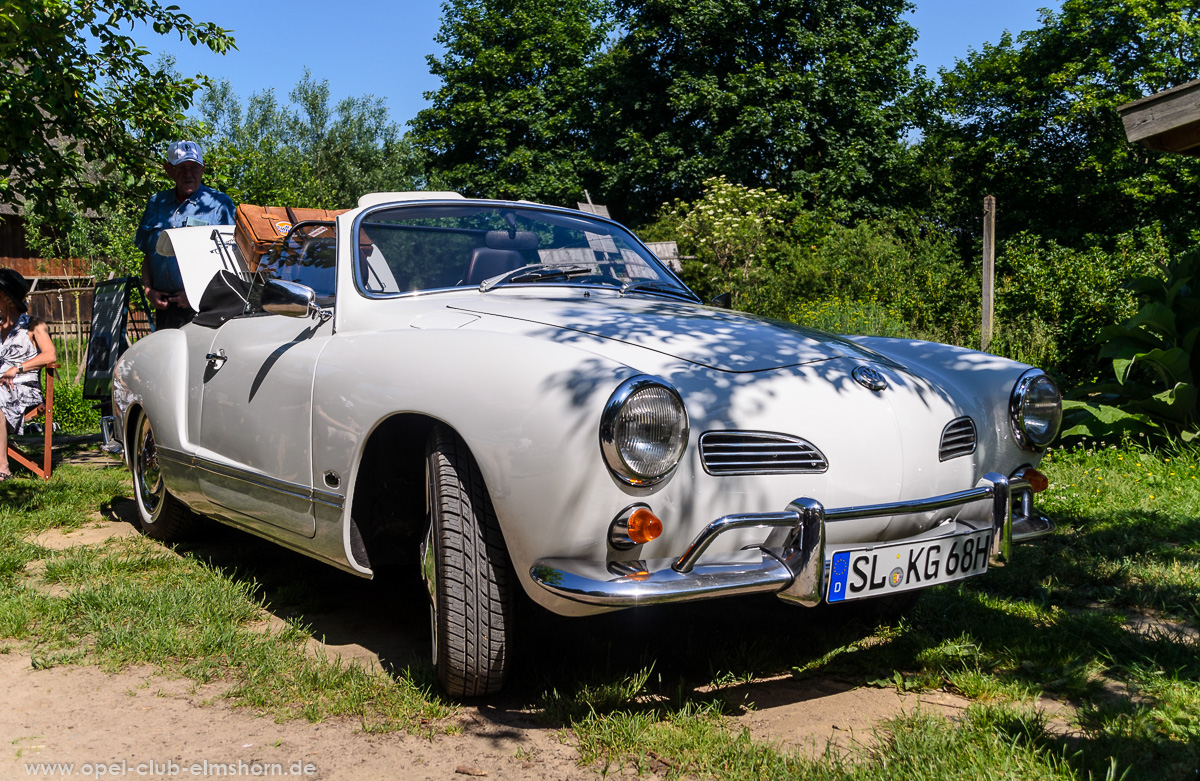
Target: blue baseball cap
{"points": [[183, 151]]}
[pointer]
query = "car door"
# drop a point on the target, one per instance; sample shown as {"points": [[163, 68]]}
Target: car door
{"points": [[256, 420], [256, 406]]}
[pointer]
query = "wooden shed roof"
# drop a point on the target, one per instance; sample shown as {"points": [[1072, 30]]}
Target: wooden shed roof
{"points": [[1167, 121]]}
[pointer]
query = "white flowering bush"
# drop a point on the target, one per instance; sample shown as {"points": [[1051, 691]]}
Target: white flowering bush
{"points": [[732, 227]]}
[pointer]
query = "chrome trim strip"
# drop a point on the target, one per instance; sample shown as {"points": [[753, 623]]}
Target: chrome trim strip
{"points": [[328, 498]]}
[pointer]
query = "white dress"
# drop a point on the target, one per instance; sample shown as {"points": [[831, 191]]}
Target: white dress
{"points": [[18, 347]]}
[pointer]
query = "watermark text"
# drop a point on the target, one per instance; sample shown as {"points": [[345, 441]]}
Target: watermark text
{"points": [[171, 768]]}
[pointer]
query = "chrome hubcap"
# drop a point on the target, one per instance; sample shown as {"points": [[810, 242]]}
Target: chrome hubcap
{"points": [[149, 477]]}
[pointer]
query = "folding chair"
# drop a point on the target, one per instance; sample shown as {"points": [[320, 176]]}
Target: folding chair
{"points": [[44, 410]]}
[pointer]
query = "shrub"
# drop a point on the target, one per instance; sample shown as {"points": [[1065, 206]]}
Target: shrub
{"points": [[753, 243], [72, 412], [1155, 366], [1068, 295], [911, 272]]}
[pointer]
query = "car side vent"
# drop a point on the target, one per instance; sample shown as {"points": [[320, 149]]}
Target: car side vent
{"points": [[958, 439], [758, 453]]}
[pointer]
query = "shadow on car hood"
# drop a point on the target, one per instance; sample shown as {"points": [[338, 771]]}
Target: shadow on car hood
{"points": [[714, 338]]}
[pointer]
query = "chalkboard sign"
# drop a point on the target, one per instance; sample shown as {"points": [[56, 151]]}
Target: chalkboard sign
{"points": [[110, 310]]}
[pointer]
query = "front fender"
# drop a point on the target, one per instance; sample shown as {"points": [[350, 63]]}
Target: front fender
{"points": [[528, 409]]}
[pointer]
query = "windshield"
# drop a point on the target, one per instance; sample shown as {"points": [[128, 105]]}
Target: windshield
{"points": [[407, 249]]}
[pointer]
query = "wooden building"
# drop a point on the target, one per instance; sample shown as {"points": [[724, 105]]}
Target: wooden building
{"points": [[1167, 121]]}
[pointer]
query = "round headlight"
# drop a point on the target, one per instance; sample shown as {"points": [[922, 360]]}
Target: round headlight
{"points": [[643, 430], [1036, 409]]}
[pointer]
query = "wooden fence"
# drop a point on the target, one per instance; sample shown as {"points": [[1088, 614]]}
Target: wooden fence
{"points": [[67, 313]]}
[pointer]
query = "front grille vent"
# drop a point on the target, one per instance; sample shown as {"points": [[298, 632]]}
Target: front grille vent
{"points": [[958, 439], [758, 453]]}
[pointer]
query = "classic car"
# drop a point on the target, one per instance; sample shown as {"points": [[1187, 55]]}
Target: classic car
{"points": [[523, 398]]}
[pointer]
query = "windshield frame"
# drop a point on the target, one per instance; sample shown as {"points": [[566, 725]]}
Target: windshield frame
{"points": [[667, 274]]}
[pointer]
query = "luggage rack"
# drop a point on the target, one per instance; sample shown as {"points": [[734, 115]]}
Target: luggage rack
{"points": [[231, 257]]}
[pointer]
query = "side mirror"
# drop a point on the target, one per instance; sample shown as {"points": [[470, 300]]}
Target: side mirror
{"points": [[722, 301], [290, 299]]}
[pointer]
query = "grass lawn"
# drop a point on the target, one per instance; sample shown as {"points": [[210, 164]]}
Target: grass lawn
{"points": [[1101, 618]]}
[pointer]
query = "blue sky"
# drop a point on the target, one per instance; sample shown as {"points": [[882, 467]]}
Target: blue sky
{"points": [[378, 47]]}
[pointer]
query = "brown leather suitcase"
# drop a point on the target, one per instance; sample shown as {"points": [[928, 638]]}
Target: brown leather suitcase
{"points": [[259, 227], [256, 228]]}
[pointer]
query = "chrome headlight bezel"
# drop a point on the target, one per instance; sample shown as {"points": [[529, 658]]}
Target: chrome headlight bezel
{"points": [[1029, 432], [616, 453]]}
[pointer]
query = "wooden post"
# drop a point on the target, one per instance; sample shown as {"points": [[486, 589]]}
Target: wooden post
{"points": [[989, 270]]}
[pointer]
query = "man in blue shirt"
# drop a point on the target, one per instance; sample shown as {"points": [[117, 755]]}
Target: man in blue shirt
{"points": [[188, 203]]}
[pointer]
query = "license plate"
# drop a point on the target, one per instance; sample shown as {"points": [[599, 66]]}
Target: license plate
{"points": [[888, 569]]}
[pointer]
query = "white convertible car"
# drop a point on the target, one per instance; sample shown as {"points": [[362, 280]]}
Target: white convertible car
{"points": [[527, 399]]}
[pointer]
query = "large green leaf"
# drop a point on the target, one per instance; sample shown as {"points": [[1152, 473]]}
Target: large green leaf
{"points": [[1102, 421], [1116, 338], [1146, 286], [1176, 405], [1173, 366], [1157, 317]]}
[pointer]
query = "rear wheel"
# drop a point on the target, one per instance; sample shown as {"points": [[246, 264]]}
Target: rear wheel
{"points": [[160, 514], [469, 575]]}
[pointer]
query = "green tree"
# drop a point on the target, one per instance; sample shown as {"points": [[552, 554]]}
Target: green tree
{"points": [[1033, 120], [809, 97], [83, 111], [308, 152], [514, 115]]}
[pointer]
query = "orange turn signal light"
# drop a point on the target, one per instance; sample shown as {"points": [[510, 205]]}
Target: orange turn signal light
{"points": [[644, 526], [1037, 481]]}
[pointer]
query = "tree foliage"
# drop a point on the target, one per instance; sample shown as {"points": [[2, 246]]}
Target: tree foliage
{"points": [[643, 100], [1033, 120], [307, 153], [514, 115], [812, 98], [83, 110]]}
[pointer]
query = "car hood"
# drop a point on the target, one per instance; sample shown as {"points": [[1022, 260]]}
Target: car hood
{"points": [[705, 336]]}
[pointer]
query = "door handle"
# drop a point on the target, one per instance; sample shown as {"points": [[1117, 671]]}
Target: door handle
{"points": [[217, 359]]}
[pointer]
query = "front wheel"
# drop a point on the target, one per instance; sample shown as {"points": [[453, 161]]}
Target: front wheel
{"points": [[467, 568], [160, 514]]}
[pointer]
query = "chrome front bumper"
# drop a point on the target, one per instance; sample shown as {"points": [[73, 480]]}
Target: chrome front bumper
{"points": [[793, 555]]}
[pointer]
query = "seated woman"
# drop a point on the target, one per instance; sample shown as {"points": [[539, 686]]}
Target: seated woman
{"points": [[25, 347]]}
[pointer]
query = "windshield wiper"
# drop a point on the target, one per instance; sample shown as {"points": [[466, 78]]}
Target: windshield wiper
{"points": [[654, 286], [535, 272]]}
